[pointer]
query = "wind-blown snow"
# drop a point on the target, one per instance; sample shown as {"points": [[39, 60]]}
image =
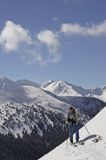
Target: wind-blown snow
{"points": [[88, 151]]}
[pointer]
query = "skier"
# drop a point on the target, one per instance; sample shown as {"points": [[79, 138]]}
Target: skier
{"points": [[72, 120]]}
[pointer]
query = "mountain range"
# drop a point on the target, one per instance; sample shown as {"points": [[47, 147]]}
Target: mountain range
{"points": [[39, 111], [62, 88], [19, 98]]}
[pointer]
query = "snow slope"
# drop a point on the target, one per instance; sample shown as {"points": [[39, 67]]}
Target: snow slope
{"points": [[89, 151]]}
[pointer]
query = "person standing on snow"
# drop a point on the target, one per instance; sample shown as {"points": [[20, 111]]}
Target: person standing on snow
{"points": [[72, 120]]}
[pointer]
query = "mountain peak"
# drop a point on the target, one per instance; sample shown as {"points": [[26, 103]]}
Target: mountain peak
{"points": [[63, 88], [8, 84], [60, 88]]}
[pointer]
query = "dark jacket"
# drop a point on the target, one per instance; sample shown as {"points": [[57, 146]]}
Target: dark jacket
{"points": [[72, 117]]}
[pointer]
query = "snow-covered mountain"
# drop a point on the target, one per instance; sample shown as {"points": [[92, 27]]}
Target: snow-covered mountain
{"points": [[30, 130], [62, 88], [7, 84], [19, 98], [27, 108], [93, 149], [21, 109], [9, 89]]}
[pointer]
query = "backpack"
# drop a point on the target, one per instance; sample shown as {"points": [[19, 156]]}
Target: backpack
{"points": [[71, 117]]}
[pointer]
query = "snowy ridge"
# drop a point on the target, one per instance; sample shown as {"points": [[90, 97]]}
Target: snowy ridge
{"points": [[23, 107], [7, 84], [88, 151], [22, 104], [16, 118], [62, 88]]}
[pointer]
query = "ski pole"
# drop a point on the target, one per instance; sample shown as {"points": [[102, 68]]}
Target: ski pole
{"points": [[94, 140], [85, 126], [87, 130]]}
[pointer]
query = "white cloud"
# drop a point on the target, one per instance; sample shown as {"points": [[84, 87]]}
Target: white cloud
{"points": [[51, 40], [16, 39], [12, 36], [77, 29], [31, 53]]}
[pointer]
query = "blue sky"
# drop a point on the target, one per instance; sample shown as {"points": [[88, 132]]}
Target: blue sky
{"points": [[54, 39]]}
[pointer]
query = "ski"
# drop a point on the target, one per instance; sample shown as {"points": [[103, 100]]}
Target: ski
{"points": [[74, 145], [97, 139], [81, 143], [78, 143]]}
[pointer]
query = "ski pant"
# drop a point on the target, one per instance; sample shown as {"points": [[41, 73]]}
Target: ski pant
{"points": [[73, 128]]}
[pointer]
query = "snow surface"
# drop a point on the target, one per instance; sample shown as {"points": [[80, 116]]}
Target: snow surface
{"points": [[20, 109], [60, 88], [88, 151]]}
